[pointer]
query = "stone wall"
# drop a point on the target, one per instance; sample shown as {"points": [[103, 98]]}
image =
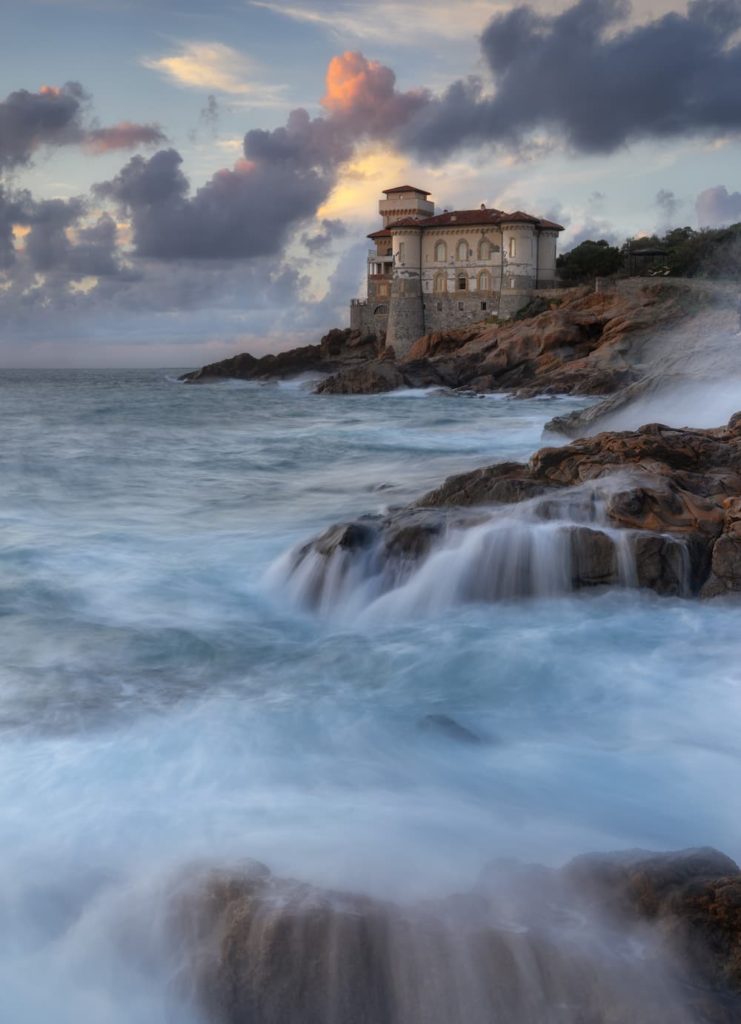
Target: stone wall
{"points": [[369, 318], [406, 316], [446, 312]]}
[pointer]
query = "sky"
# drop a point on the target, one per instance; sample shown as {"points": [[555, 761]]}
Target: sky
{"points": [[181, 180]]}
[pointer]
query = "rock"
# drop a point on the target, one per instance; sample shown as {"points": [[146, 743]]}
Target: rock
{"points": [[725, 577], [585, 344], [677, 492], [335, 349], [618, 938], [594, 558], [370, 379], [693, 895]]}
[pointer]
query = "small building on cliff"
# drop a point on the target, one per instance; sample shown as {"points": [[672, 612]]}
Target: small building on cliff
{"points": [[432, 272]]}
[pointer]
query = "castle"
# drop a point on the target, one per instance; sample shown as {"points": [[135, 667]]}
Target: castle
{"points": [[431, 272]]}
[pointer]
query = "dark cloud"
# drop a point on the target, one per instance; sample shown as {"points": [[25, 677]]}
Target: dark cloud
{"points": [[321, 240], [56, 117], [586, 77], [286, 174], [717, 207], [57, 240], [28, 120], [668, 205]]}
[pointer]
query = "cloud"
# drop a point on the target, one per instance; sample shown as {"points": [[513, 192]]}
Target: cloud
{"points": [[668, 205], [124, 135], [389, 21], [55, 117], [283, 178], [28, 120], [217, 67], [322, 239], [600, 82], [717, 207], [405, 22]]}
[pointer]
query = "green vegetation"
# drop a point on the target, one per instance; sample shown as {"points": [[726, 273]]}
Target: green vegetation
{"points": [[681, 252]]}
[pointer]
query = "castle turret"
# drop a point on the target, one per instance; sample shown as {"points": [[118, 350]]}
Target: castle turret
{"points": [[406, 310], [405, 201]]}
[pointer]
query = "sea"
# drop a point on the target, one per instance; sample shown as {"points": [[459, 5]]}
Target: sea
{"points": [[166, 699]]}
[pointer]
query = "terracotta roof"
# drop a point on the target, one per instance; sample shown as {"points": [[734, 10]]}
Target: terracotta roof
{"points": [[383, 233], [473, 217], [405, 188]]}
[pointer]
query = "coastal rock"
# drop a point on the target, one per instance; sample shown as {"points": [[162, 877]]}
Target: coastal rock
{"points": [[371, 379], [693, 895], [335, 349], [524, 941], [658, 508]]}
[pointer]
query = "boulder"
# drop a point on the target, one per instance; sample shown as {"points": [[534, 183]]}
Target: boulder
{"points": [[609, 939]]}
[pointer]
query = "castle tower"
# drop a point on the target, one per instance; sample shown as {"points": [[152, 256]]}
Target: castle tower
{"points": [[406, 320], [405, 201]]}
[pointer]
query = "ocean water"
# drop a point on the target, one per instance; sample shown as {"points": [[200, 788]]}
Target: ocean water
{"points": [[164, 702]]}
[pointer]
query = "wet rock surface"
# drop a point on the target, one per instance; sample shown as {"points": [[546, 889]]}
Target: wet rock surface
{"points": [[658, 508], [634, 938]]}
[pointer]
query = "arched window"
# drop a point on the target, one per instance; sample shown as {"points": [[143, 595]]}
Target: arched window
{"points": [[484, 249], [484, 281], [401, 252], [462, 250], [462, 282], [441, 252], [512, 248], [381, 311], [441, 282]]}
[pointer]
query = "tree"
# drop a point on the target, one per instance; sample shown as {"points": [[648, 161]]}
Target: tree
{"points": [[589, 260]]}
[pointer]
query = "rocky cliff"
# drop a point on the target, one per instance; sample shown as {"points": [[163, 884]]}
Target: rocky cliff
{"points": [[576, 342]]}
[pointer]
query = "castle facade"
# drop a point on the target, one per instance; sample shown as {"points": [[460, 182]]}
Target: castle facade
{"points": [[431, 272]]}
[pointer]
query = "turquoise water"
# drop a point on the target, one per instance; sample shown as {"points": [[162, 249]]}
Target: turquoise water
{"points": [[162, 703]]}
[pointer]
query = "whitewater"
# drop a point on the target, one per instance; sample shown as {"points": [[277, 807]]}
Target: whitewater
{"points": [[165, 701]]}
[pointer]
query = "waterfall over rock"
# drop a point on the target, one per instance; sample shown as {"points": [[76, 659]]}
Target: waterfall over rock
{"points": [[424, 561]]}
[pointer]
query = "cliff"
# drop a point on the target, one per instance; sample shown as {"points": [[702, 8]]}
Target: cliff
{"points": [[576, 342]]}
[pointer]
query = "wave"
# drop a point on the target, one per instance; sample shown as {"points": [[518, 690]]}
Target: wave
{"points": [[422, 563]]}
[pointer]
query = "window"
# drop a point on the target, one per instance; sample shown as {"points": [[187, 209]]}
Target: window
{"points": [[460, 307], [484, 281], [512, 248], [381, 311], [401, 252], [439, 307], [441, 252], [484, 250], [462, 250], [462, 283], [483, 307], [441, 282]]}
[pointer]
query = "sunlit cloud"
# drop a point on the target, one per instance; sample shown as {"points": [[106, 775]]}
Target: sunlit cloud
{"points": [[216, 67]]}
